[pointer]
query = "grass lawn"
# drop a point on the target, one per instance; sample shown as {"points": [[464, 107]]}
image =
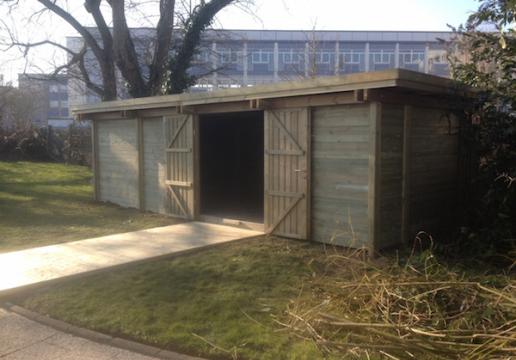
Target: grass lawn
{"points": [[269, 298], [264, 298], [47, 203], [229, 296]]}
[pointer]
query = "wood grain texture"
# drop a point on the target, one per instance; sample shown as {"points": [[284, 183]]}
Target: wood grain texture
{"points": [[286, 161], [374, 177], [180, 167], [95, 160], [141, 164], [118, 162], [433, 171], [405, 193], [154, 165], [340, 152], [390, 197]]}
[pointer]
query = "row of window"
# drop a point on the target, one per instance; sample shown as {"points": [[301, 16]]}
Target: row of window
{"points": [[295, 56], [58, 112], [57, 104], [55, 88]]}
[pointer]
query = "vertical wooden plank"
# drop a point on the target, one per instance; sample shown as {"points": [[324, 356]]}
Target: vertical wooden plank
{"points": [[374, 176], [288, 224], [286, 165], [165, 129], [181, 165], [189, 160], [141, 172], [280, 172], [266, 169], [196, 167], [95, 160], [308, 173], [405, 180]]}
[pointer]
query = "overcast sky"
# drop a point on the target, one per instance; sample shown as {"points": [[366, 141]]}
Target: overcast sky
{"points": [[402, 15]]}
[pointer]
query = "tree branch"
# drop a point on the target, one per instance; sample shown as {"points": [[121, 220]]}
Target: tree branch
{"points": [[103, 56], [202, 16], [125, 53], [93, 7], [164, 31], [88, 37]]}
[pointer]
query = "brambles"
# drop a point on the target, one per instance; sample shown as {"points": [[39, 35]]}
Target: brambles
{"points": [[415, 309]]}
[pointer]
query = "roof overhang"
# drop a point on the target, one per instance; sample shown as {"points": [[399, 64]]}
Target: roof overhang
{"points": [[394, 78]]}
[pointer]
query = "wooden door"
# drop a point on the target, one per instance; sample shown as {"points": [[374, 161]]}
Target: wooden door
{"points": [[287, 172], [179, 142]]}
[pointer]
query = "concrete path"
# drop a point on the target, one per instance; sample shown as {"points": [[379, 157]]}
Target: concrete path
{"points": [[24, 339], [33, 266]]}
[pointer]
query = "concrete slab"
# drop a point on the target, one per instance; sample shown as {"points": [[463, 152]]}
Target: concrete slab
{"points": [[24, 339], [34, 266], [12, 325]]}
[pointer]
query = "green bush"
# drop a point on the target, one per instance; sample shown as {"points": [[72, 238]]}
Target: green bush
{"points": [[488, 40]]}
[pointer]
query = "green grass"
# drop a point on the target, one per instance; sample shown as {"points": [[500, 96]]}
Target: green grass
{"points": [[47, 203], [229, 296], [227, 302]]}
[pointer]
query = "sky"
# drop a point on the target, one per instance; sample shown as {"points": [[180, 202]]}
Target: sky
{"points": [[394, 15]]}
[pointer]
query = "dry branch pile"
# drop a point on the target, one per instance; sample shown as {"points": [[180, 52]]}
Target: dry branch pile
{"points": [[420, 309]]}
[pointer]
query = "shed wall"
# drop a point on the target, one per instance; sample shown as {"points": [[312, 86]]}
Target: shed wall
{"points": [[391, 176], [433, 170], [118, 161], [340, 160], [154, 165]]}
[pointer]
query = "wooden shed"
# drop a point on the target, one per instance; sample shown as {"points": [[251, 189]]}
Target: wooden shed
{"points": [[365, 159]]}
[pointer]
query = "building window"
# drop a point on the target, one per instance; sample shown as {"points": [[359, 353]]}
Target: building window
{"points": [[227, 56], [412, 57], [54, 103], [261, 57], [202, 57], [351, 57], [291, 57], [323, 57], [53, 112], [63, 88], [53, 88], [384, 58]]}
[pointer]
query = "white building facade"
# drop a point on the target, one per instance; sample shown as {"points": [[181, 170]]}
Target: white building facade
{"points": [[236, 58]]}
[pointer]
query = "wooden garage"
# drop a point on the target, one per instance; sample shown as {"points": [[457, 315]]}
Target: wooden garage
{"points": [[363, 160]]}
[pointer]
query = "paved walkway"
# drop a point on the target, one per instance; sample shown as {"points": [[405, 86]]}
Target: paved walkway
{"points": [[29, 267], [24, 339]]}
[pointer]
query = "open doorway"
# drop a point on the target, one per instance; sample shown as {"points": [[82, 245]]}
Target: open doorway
{"points": [[231, 165]]}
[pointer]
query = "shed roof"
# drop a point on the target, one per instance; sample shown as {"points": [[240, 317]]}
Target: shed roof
{"points": [[393, 78]]}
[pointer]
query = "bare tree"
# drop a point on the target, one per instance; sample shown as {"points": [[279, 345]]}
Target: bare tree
{"points": [[113, 44]]}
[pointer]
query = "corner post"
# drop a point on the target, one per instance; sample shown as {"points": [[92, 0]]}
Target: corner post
{"points": [[141, 164], [374, 196], [95, 160], [405, 180]]}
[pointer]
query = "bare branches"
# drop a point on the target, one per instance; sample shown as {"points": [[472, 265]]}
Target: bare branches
{"points": [[103, 55], [66, 16], [168, 50]]}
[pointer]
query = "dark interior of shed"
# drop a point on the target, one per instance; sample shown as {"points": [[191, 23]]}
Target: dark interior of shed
{"points": [[231, 165]]}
